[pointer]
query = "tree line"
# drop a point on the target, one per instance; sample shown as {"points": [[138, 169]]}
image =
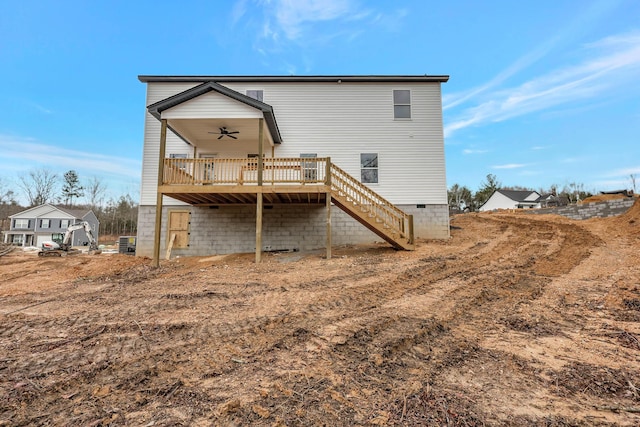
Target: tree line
{"points": [[462, 198], [117, 216]]}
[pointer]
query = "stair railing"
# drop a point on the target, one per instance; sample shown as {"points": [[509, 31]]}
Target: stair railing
{"points": [[371, 203]]}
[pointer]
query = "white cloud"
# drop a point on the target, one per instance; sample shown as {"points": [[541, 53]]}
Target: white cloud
{"points": [[613, 62], [309, 22], [238, 11], [590, 13], [471, 151], [24, 154], [293, 14], [626, 172], [538, 147], [613, 184], [509, 166]]}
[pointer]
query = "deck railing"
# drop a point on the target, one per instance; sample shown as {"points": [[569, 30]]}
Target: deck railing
{"points": [[281, 170], [244, 171]]}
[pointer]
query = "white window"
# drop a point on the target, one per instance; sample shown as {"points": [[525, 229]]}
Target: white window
{"points": [[45, 223], [180, 165], [369, 168], [401, 104], [21, 223], [255, 94], [310, 167], [64, 223], [17, 239]]}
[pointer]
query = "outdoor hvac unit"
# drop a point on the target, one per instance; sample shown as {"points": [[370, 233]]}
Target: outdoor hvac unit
{"points": [[127, 245]]}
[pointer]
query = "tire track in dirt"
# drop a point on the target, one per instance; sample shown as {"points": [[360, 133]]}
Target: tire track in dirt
{"points": [[354, 327]]}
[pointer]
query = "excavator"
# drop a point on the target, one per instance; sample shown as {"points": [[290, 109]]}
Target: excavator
{"points": [[63, 249]]}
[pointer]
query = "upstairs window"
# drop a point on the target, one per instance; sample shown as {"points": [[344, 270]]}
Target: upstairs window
{"points": [[401, 104], [21, 223], [369, 168], [255, 94], [64, 223], [45, 223]]}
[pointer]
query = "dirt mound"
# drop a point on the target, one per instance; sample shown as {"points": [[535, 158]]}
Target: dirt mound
{"points": [[627, 224], [603, 198], [516, 320]]}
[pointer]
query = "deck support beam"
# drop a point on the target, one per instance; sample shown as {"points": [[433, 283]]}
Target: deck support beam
{"points": [[328, 225], [411, 237], [259, 228], [259, 199], [260, 149], [158, 225]]}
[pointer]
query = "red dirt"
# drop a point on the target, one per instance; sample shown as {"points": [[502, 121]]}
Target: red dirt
{"points": [[516, 320]]}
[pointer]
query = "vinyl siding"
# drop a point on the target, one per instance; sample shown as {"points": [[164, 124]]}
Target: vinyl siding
{"points": [[340, 121]]}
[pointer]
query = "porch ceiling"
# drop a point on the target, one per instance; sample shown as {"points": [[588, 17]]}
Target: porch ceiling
{"points": [[201, 132]]}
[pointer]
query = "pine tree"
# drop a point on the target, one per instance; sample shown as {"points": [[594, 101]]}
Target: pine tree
{"points": [[71, 188]]}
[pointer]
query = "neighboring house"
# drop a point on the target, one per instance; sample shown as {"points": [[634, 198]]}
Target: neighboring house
{"points": [[49, 223], [511, 199], [552, 201], [241, 163]]}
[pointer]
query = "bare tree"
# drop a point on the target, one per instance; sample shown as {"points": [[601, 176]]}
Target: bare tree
{"points": [[39, 186], [460, 197], [95, 190], [633, 182]]}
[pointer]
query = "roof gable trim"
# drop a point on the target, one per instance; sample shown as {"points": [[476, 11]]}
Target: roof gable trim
{"points": [[157, 108]]}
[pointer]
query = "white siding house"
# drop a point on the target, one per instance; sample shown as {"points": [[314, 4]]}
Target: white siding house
{"points": [[511, 199], [384, 130]]}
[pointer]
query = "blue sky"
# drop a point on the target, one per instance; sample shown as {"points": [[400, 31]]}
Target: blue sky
{"points": [[541, 92]]}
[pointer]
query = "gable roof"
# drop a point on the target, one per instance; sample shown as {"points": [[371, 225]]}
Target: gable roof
{"points": [[75, 213], [519, 195], [157, 108]]}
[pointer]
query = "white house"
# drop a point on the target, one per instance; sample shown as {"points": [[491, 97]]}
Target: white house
{"points": [[47, 222], [511, 199], [244, 163]]}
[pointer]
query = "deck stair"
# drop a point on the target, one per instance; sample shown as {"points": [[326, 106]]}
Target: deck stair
{"points": [[371, 210]]}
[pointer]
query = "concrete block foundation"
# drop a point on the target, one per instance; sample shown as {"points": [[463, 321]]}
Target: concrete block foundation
{"points": [[232, 229]]}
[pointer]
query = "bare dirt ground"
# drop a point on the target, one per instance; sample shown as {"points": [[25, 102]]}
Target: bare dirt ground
{"points": [[516, 320]]}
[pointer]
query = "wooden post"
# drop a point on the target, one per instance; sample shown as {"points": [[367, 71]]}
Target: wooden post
{"points": [[327, 172], [411, 240], [259, 228], [328, 225], [260, 149], [158, 225]]}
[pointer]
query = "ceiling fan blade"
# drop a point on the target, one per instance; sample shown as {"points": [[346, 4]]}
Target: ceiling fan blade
{"points": [[220, 137], [231, 136], [235, 131]]}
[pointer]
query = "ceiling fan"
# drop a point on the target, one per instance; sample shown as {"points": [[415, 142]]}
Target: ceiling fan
{"points": [[225, 132]]}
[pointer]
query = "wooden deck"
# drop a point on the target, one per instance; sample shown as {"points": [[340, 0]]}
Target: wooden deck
{"points": [[206, 182], [249, 181]]}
